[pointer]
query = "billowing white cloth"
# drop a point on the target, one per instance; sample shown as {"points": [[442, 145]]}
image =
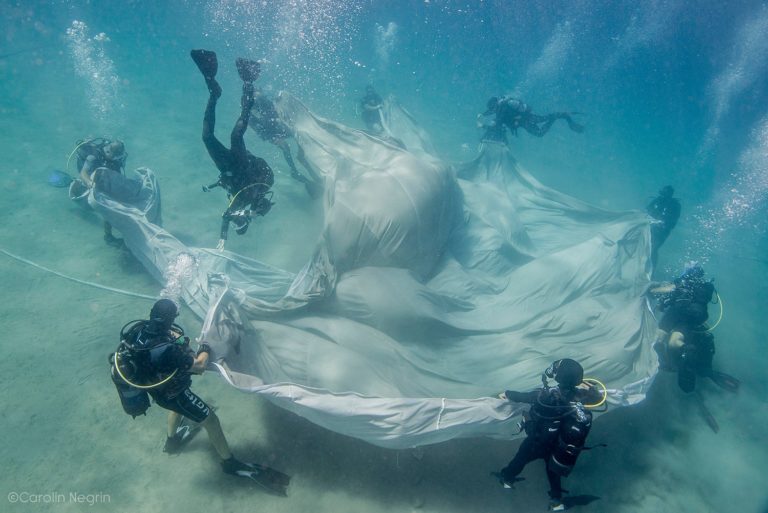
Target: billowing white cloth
{"points": [[400, 125], [431, 289]]}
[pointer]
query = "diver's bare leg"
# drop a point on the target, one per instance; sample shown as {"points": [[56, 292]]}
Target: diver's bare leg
{"points": [[216, 436], [174, 421]]}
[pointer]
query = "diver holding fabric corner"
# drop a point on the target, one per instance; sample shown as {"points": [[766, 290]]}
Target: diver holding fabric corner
{"points": [[556, 426], [107, 156], [246, 178], [154, 360], [101, 162], [686, 344]]}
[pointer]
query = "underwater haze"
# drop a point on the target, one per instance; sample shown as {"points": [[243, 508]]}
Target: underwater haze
{"points": [[671, 92]]}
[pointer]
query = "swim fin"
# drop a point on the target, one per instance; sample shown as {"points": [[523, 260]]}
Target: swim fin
{"points": [[247, 69], [504, 482], [708, 417], [268, 478], [59, 178], [725, 381], [576, 127], [206, 62], [185, 432]]}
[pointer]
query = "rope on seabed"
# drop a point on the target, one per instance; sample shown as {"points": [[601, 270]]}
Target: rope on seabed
{"points": [[81, 282]]}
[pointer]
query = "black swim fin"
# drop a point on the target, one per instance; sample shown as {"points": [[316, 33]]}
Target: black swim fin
{"points": [[576, 127], [247, 69], [268, 478], [708, 417], [206, 62], [504, 482], [185, 432], [725, 381]]}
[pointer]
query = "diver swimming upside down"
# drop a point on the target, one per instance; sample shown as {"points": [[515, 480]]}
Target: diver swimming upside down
{"points": [[246, 178]]}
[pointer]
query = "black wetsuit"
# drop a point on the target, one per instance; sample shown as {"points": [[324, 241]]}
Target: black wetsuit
{"points": [[157, 356], [95, 148], [550, 406], [695, 358], [371, 117], [666, 211], [686, 307], [246, 178], [686, 310]]}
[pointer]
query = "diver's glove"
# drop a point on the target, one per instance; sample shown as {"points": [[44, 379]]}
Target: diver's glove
{"points": [[206, 188], [220, 245], [203, 348]]}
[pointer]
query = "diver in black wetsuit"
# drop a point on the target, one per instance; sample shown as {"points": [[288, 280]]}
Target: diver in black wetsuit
{"points": [[246, 178], [267, 124], [514, 114], [665, 210], [686, 344], [370, 110], [105, 152], [556, 426], [154, 359], [99, 153]]}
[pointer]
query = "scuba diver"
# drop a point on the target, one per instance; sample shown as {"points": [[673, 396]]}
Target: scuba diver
{"points": [[105, 152], [93, 154], [154, 359], [665, 210], [556, 426], [370, 110], [513, 114], [267, 124], [246, 178], [686, 343]]}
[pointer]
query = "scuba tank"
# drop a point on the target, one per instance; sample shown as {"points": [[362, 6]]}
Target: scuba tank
{"points": [[544, 420], [132, 369], [572, 435], [135, 401]]}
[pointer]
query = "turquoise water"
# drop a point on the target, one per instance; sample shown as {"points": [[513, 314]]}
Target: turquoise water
{"points": [[669, 93]]}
